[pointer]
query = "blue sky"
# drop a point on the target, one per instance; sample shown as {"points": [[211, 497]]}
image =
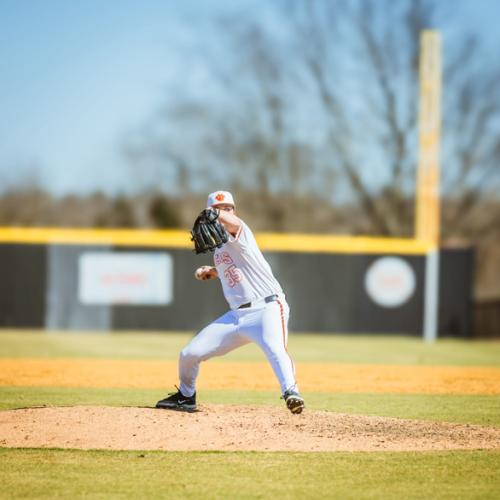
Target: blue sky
{"points": [[75, 76]]}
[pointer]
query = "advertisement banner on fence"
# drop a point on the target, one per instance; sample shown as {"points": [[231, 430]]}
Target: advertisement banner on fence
{"points": [[119, 278]]}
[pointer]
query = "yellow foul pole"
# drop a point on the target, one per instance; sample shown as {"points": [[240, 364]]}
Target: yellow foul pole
{"points": [[427, 220]]}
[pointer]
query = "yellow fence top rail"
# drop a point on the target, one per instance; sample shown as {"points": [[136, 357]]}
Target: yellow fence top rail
{"points": [[278, 242]]}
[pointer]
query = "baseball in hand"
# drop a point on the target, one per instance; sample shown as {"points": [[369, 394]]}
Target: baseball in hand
{"points": [[203, 273]]}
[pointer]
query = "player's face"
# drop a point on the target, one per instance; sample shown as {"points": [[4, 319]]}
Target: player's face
{"points": [[226, 207]]}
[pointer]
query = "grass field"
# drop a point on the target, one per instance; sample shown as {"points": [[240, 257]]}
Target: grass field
{"points": [[105, 474], [303, 347]]}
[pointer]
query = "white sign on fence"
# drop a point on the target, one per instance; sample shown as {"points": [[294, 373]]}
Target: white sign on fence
{"points": [[390, 281], [125, 278]]}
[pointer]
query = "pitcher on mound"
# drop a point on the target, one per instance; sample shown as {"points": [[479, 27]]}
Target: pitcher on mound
{"points": [[258, 309]]}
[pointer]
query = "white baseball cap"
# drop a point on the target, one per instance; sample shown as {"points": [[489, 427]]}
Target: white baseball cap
{"points": [[219, 198]]}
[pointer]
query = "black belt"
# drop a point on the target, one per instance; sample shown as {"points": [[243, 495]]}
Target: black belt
{"points": [[269, 298]]}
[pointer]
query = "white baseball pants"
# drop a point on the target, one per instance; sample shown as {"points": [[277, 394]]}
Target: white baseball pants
{"points": [[266, 324]]}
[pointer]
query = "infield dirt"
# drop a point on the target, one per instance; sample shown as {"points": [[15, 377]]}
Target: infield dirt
{"points": [[317, 377], [232, 428]]}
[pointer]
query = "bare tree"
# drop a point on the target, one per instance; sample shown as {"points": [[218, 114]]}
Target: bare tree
{"points": [[385, 52]]}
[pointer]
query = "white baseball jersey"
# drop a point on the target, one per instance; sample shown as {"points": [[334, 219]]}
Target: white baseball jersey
{"points": [[244, 273]]}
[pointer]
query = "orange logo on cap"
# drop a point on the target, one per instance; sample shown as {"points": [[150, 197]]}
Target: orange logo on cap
{"points": [[219, 197]]}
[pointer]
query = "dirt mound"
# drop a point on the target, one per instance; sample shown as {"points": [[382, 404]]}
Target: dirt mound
{"points": [[235, 428]]}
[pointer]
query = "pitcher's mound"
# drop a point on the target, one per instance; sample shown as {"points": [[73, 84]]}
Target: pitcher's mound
{"points": [[235, 428]]}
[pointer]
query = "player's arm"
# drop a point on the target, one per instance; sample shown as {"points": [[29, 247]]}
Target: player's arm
{"points": [[206, 273], [229, 221]]}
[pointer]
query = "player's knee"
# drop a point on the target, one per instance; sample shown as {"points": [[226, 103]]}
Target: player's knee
{"points": [[195, 353], [190, 355]]}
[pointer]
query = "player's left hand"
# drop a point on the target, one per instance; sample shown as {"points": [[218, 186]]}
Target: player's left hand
{"points": [[208, 233]]}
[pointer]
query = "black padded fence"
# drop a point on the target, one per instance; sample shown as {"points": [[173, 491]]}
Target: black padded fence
{"points": [[41, 287]]}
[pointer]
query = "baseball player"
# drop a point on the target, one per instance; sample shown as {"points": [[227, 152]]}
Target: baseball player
{"points": [[258, 309]]}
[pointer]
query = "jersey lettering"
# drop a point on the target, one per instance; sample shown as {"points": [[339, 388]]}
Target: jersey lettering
{"points": [[223, 258], [233, 275]]}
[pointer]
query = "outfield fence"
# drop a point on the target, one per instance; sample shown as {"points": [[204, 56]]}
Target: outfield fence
{"points": [[143, 280]]}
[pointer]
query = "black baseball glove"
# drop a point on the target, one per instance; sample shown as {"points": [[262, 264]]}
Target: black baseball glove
{"points": [[208, 233]]}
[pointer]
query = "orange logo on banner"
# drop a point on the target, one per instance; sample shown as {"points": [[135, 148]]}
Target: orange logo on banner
{"points": [[219, 197]]}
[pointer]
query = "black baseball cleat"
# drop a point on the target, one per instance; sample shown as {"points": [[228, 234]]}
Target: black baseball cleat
{"points": [[294, 401], [177, 401]]}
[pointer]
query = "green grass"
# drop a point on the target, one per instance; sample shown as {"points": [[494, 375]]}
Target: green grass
{"points": [[102, 474], [303, 347], [484, 410]]}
